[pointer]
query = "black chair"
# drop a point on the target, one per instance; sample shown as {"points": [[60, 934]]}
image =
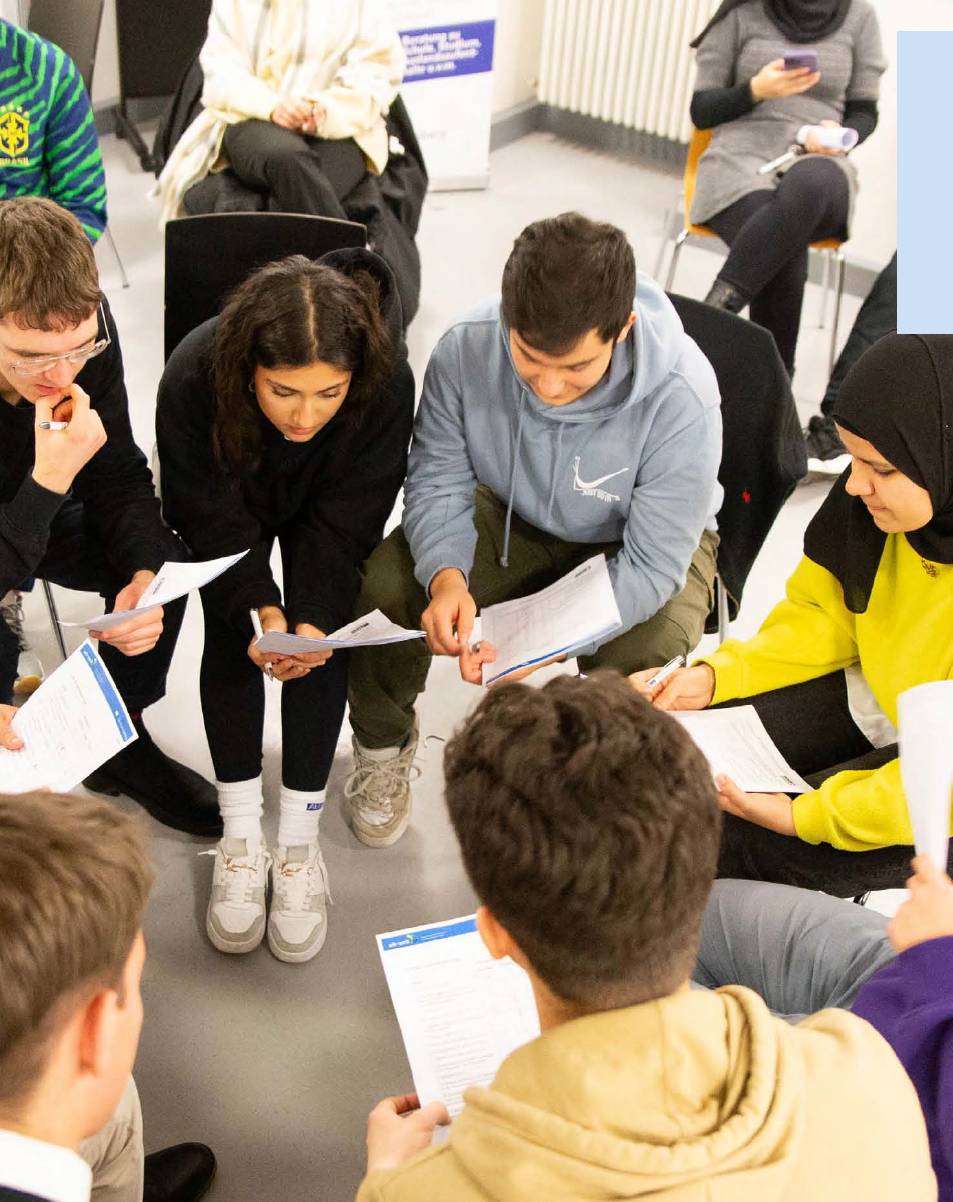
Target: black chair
{"points": [[763, 454], [74, 27], [207, 256]]}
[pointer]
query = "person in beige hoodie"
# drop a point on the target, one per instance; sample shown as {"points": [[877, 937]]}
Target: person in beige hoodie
{"points": [[589, 828]]}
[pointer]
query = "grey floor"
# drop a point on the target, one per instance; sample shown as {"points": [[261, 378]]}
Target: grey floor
{"points": [[275, 1065]]}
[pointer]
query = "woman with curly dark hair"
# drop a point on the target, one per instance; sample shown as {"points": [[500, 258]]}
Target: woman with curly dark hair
{"points": [[286, 418]]}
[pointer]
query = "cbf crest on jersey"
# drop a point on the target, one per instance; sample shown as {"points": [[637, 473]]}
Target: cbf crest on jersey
{"points": [[14, 134]]}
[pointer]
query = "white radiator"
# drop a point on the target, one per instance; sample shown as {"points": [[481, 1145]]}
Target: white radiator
{"points": [[625, 61]]}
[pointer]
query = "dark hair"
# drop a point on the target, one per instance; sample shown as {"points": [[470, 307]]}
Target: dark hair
{"points": [[565, 276], [48, 276], [293, 313], [73, 881], [589, 827]]}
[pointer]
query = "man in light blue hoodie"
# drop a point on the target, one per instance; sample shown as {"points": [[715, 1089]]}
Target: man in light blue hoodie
{"points": [[564, 420]]}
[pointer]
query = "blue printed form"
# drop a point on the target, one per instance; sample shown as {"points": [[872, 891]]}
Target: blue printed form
{"points": [[71, 725], [460, 1011]]}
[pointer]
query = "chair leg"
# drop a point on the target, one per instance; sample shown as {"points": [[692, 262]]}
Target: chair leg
{"points": [[122, 270], [840, 272], [721, 605], [54, 618], [661, 250], [825, 289], [676, 251]]}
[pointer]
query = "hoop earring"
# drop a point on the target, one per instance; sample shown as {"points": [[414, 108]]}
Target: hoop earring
{"points": [[251, 388]]}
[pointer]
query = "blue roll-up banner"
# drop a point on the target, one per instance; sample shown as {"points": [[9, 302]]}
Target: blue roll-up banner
{"points": [[448, 85]]}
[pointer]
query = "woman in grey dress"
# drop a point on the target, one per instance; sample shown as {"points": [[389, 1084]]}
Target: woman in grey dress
{"points": [[756, 110]]}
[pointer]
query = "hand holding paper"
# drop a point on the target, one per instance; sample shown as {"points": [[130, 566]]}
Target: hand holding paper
{"points": [[173, 580], [372, 630], [576, 610], [73, 723]]}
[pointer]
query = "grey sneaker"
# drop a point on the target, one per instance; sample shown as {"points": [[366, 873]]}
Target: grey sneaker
{"points": [[235, 920], [378, 793], [29, 669], [298, 915]]}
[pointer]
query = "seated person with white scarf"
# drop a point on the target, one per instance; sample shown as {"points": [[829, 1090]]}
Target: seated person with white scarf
{"points": [[295, 96]]}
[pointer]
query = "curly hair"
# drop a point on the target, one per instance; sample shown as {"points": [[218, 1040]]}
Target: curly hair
{"points": [[589, 825], [293, 313]]}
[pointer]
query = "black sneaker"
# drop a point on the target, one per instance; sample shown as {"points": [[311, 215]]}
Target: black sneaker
{"points": [[181, 1173], [173, 794], [826, 454]]}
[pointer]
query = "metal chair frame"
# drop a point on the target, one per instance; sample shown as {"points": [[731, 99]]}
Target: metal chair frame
{"points": [[831, 248]]}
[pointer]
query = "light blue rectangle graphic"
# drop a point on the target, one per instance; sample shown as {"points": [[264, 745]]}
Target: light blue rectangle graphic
{"points": [[109, 692], [466, 926], [924, 183]]}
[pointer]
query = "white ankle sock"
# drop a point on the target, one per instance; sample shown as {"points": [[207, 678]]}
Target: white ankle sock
{"points": [[382, 754], [240, 803], [298, 816]]}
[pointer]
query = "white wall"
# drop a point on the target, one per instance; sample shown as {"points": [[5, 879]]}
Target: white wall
{"points": [[519, 40]]}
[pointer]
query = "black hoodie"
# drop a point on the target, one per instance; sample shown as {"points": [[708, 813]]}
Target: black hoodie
{"points": [[115, 486], [329, 496]]}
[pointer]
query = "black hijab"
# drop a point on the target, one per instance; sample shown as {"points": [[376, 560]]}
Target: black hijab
{"points": [[801, 21], [899, 397]]}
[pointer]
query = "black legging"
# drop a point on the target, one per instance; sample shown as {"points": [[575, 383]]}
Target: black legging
{"points": [[814, 731], [301, 173], [769, 232], [233, 706]]}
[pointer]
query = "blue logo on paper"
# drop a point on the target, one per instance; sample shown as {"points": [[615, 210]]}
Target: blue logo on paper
{"points": [[466, 926], [448, 51]]}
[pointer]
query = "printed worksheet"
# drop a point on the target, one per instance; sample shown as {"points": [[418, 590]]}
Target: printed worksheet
{"points": [[735, 743], [373, 630], [74, 722], [173, 580], [460, 1011], [572, 612]]}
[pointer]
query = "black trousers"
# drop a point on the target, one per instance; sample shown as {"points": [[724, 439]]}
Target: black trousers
{"points": [[769, 232], [76, 559], [233, 705], [301, 173], [814, 731], [877, 317]]}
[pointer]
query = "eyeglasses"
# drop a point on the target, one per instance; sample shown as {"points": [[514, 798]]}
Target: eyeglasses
{"points": [[36, 366]]}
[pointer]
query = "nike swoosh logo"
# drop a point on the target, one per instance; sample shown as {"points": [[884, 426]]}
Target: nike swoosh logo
{"points": [[602, 479]]}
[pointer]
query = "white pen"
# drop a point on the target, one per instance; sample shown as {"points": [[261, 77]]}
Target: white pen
{"points": [[256, 626], [664, 673], [53, 425]]}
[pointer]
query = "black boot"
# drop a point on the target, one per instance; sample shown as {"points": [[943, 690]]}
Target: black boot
{"points": [[723, 295], [178, 1174], [173, 794]]}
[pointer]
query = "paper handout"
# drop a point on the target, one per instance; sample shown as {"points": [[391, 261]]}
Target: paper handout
{"points": [[925, 719], [373, 630], [460, 1011], [173, 580], [74, 722], [576, 610], [735, 743]]}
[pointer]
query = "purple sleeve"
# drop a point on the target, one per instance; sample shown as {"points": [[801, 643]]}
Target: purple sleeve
{"points": [[910, 1002]]}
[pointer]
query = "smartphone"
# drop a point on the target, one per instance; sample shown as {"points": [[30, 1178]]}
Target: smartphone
{"points": [[795, 60]]}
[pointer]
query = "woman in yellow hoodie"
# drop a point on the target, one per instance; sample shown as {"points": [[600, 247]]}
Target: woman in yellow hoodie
{"points": [[868, 614]]}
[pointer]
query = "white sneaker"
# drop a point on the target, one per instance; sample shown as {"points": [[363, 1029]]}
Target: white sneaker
{"points": [[378, 793], [235, 920], [298, 916], [29, 669]]}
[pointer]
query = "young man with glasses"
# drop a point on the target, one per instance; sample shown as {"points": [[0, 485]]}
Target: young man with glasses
{"points": [[77, 503]]}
